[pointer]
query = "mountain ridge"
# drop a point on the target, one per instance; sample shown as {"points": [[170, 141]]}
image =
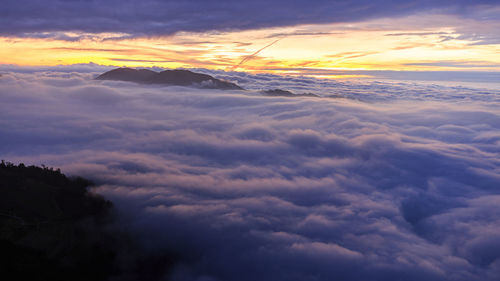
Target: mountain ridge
{"points": [[175, 77]]}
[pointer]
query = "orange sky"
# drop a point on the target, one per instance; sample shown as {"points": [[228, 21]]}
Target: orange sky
{"points": [[384, 44]]}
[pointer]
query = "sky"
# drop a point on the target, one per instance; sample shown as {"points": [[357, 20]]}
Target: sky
{"points": [[368, 179], [324, 39]]}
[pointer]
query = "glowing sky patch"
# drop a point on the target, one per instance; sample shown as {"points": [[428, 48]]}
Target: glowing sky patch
{"points": [[412, 43]]}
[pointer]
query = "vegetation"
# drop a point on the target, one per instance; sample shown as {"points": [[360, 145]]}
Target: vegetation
{"points": [[53, 228]]}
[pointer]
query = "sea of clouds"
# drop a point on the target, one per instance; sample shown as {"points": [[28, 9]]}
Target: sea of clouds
{"points": [[373, 181]]}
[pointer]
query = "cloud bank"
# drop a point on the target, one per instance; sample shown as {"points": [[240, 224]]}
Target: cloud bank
{"points": [[37, 18], [396, 181]]}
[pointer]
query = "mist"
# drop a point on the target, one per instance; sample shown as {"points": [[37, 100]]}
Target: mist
{"points": [[384, 181]]}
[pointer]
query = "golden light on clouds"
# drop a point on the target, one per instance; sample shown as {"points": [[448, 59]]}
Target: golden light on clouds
{"points": [[363, 46]]}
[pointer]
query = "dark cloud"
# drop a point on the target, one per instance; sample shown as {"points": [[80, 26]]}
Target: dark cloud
{"points": [[402, 185], [300, 33], [443, 36], [418, 33], [154, 17]]}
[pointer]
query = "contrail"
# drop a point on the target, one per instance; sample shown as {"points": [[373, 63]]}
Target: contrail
{"points": [[247, 58]]}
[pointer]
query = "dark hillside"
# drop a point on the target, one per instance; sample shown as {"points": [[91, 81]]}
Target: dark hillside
{"points": [[176, 77], [53, 228], [128, 74]]}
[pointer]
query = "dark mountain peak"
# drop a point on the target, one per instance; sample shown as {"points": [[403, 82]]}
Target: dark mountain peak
{"points": [[182, 77], [285, 93], [278, 93], [127, 74], [177, 77]]}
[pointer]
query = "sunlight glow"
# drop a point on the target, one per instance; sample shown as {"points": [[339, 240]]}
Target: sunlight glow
{"points": [[374, 45]]}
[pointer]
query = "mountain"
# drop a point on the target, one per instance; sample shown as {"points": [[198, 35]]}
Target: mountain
{"points": [[177, 77], [285, 93], [44, 219], [53, 228], [128, 74]]}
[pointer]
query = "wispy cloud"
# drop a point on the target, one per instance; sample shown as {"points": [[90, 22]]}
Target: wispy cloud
{"points": [[418, 33], [351, 55], [301, 33], [135, 60], [249, 57], [458, 64]]}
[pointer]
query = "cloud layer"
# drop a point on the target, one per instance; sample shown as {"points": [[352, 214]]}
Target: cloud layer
{"points": [[397, 181], [154, 17]]}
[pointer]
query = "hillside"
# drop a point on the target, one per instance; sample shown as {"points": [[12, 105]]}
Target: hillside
{"points": [[53, 228], [177, 77]]}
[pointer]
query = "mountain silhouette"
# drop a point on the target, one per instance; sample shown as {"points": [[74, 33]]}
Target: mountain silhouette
{"points": [[285, 93], [177, 77], [52, 227]]}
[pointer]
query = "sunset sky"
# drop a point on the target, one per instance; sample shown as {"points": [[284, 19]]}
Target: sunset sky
{"points": [[285, 37], [302, 140]]}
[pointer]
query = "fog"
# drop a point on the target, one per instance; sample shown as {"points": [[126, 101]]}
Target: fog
{"points": [[385, 181]]}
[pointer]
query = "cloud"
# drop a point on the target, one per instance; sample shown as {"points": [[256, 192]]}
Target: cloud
{"points": [[436, 75], [399, 183], [300, 33], [457, 64], [62, 69], [249, 57], [418, 33], [154, 17]]}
